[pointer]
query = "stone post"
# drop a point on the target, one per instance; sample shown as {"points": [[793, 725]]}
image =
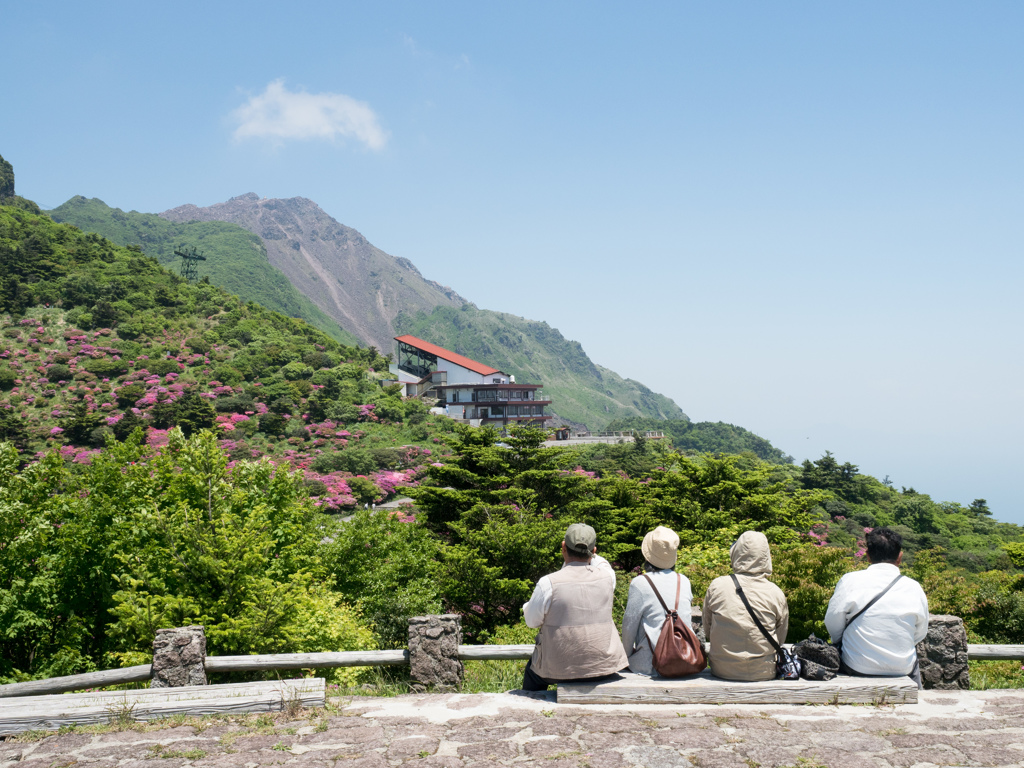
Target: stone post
{"points": [[943, 654], [434, 652], [697, 621], [179, 657]]}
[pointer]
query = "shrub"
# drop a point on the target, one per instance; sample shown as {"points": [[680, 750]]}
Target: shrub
{"points": [[106, 367], [294, 371], [58, 372], [228, 375], [161, 366], [387, 568], [7, 377], [272, 424], [318, 360], [364, 489], [238, 404], [198, 345], [358, 462], [127, 396]]}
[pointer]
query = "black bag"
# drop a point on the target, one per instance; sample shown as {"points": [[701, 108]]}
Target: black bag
{"points": [[787, 665], [821, 660], [818, 659]]}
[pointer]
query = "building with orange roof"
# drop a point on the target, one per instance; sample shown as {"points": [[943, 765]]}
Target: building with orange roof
{"points": [[468, 390]]}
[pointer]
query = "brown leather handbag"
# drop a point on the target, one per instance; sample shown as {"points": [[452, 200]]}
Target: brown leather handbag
{"points": [[678, 652]]}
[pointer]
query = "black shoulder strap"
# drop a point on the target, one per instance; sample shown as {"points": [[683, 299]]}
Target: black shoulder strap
{"points": [[875, 600], [746, 603]]}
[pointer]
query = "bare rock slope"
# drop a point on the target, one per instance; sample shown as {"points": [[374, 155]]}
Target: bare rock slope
{"points": [[360, 286]]}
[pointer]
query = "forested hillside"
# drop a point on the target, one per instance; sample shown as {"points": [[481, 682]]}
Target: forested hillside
{"points": [[707, 436], [171, 454], [535, 352], [236, 259]]}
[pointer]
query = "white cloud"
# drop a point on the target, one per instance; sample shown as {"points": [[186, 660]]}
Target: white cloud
{"points": [[278, 113]]}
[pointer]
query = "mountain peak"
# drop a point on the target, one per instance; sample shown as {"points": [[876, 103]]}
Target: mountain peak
{"points": [[363, 288]]}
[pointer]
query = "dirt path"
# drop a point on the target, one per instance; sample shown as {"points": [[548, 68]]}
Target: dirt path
{"points": [[487, 730]]}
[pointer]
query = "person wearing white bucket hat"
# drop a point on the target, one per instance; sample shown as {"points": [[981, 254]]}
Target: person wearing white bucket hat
{"points": [[644, 616]]}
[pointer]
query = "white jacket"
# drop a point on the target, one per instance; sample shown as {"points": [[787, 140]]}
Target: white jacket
{"points": [[883, 640]]}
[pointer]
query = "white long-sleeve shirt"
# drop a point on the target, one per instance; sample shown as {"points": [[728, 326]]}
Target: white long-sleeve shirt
{"points": [[883, 640], [537, 608]]}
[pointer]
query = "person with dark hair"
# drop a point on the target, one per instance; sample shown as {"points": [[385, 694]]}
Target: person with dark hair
{"points": [[573, 610], [879, 614]]}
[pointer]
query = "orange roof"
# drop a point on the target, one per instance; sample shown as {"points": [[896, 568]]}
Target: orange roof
{"points": [[447, 354]]}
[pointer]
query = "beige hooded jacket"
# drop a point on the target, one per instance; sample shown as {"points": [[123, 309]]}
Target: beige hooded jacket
{"points": [[738, 649]]}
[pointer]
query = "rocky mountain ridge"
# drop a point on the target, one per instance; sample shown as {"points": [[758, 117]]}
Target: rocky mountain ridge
{"points": [[338, 269]]}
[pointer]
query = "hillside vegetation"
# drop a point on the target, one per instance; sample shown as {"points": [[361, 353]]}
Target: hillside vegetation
{"points": [[101, 340], [537, 353], [706, 436], [170, 454], [236, 259]]}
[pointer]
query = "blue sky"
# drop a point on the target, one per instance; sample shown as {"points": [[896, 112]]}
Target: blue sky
{"points": [[802, 218]]}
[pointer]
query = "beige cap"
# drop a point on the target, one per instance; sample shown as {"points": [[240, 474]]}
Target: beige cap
{"points": [[660, 546], [580, 539]]}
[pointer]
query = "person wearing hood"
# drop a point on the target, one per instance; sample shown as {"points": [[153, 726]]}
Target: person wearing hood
{"points": [[738, 649], [644, 616]]}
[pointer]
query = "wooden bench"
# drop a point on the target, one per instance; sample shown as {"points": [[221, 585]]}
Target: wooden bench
{"points": [[706, 689], [28, 713]]}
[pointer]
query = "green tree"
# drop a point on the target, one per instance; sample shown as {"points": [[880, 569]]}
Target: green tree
{"points": [[6, 179]]}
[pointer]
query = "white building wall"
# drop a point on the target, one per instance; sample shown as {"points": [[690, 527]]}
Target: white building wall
{"points": [[459, 375]]}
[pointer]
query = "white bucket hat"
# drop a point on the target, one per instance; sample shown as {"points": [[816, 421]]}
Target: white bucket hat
{"points": [[660, 547]]}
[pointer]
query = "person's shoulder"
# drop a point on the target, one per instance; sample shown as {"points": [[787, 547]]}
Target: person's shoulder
{"points": [[722, 582], [852, 577], [912, 583], [638, 582], [775, 589]]}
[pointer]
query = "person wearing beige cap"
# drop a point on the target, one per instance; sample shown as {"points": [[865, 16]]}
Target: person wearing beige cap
{"points": [[644, 616], [573, 610]]}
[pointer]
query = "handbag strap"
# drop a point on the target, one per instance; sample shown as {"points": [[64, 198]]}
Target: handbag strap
{"points": [[679, 584], [657, 594], [746, 603], [873, 601]]}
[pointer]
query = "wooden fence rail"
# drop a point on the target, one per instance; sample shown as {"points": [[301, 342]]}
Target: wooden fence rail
{"points": [[995, 652], [274, 661]]}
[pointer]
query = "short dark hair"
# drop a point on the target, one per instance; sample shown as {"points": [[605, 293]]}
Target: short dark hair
{"points": [[578, 557], [650, 567], [884, 545]]}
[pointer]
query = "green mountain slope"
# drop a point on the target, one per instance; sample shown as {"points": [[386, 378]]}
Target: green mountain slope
{"points": [[236, 259], [535, 352], [707, 436], [97, 340]]}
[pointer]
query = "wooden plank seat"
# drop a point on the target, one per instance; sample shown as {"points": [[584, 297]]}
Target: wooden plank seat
{"points": [[28, 713], [706, 689]]}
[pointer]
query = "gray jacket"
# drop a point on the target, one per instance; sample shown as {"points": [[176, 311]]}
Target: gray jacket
{"points": [[644, 615]]}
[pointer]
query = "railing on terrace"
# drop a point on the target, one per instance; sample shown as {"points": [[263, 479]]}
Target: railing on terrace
{"points": [[280, 661], [538, 397], [650, 435]]}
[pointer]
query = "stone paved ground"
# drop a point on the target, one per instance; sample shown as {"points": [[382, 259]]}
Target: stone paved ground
{"points": [[489, 730]]}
